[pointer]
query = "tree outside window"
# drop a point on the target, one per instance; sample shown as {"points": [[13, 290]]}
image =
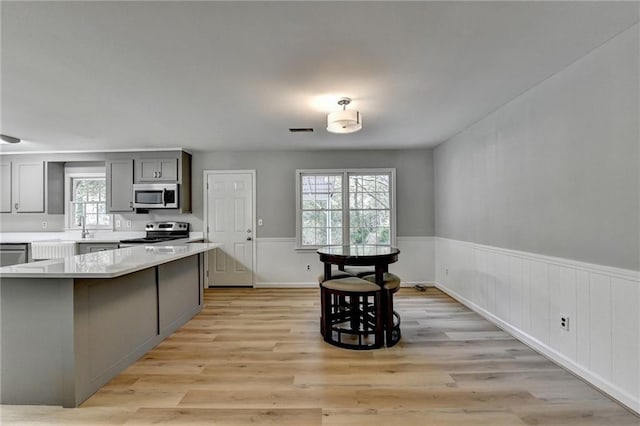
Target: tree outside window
{"points": [[321, 210], [89, 199], [369, 209], [332, 213]]}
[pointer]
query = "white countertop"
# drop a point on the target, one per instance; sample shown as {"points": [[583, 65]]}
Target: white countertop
{"points": [[94, 236], [106, 264]]}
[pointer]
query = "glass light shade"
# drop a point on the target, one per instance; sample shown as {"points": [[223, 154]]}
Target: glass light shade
{"points": [[345, 121]]}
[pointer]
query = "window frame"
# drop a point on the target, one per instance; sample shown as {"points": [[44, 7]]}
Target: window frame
{"points": [[69, 203], [345, 173]]}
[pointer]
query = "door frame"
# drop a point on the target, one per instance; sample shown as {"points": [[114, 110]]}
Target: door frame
{"points": [[205, 219]]}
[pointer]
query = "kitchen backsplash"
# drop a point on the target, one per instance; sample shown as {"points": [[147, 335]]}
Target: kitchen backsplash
{"points": [[55, 223], [28, 222]]}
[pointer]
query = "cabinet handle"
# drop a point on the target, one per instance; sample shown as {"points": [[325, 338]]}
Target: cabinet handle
{"points": [[159, 174], [130, 204], [16, 206]]}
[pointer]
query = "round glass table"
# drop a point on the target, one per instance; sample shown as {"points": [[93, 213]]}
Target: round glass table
{"points": [[359, 255], [366, 255]]}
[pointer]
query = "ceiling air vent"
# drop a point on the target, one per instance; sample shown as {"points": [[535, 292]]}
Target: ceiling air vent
{"points": [[300, 129]]}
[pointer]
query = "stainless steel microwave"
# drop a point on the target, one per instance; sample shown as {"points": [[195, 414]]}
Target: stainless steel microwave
{"points": [[156, 195]]}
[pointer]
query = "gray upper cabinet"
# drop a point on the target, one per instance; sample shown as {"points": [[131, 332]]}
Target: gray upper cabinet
{"points": [[35, 184], [28, 187], [146, 167], [55, 187], [24, 188], [157, 170], [119, 185], [5, 188]]}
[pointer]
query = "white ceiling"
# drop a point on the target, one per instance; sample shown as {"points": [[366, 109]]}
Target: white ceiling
{"points": [[237, 75]]}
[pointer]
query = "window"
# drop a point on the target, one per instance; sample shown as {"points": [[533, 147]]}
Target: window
{"points": [[337, 207], [89, 199]]}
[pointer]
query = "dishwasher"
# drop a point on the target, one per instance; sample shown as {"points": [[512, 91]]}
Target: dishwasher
{"points": [[12, 254]]}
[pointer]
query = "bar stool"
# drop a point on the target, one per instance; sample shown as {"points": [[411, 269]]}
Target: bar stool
{"points": [[390, 317], [335, 274], [351, 313]]}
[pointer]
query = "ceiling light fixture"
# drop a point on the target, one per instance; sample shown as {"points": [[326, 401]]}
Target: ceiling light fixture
{"points": [[345, 121], [9, 139]]}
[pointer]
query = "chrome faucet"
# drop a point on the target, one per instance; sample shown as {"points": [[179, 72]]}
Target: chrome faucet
{"points": [[83, 222]]}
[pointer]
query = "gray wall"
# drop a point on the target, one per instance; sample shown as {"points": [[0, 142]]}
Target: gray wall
{"points": [[556, 171], [275, 174]]}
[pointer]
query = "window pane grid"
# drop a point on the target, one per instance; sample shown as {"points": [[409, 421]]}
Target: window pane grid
{"points": [[359, 215], [89, 201], [370, 209], [321, 209]]}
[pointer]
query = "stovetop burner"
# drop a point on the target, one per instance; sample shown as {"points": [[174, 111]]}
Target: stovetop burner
{"points": [[161, 231]]}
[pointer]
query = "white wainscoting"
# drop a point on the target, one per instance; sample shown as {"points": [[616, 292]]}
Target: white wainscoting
{"points": [[526, 293], [280, 265]]}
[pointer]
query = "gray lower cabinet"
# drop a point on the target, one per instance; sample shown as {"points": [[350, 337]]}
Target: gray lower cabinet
{"points": [[119, 185], [28, 187], [13, 254], [5, 187], [64, 338], [157, 170], [84, 248]]}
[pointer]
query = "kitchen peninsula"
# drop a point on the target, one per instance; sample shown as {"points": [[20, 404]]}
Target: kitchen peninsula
{"points": [[67, 326]]}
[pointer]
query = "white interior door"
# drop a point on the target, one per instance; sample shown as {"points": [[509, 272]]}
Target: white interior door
{"points": [[230, 223]]}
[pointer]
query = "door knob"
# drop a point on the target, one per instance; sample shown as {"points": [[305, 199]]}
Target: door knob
{"points": [[248, 231], [248, 238]]}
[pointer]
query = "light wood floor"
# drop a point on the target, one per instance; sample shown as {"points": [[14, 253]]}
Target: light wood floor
{"points": [[256, 357]]}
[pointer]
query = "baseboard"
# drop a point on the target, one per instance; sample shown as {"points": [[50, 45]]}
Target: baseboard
{"points": [[426, 283], [623, 397]]}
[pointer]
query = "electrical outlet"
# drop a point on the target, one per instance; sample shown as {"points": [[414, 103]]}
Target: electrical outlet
{"points": [[118, 223], [128, 224], [564, 322], [308, 267], [446, 271], [259, 222], [44, 225]]}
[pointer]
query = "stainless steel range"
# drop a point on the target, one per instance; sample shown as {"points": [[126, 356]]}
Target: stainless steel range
{"points": [[161, 231]]}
